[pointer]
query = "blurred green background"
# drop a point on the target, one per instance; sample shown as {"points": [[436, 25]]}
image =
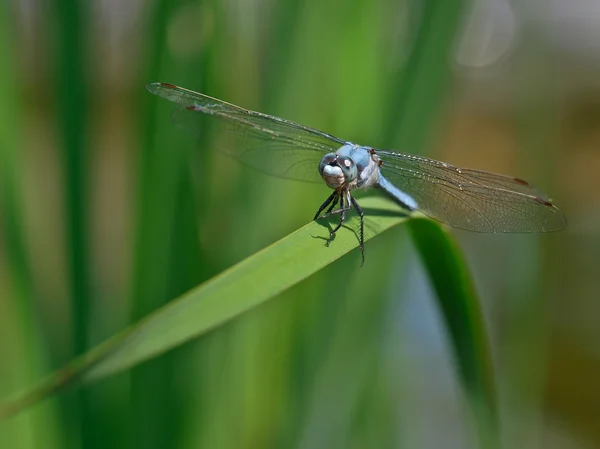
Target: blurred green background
{"points": [[107, 211]]}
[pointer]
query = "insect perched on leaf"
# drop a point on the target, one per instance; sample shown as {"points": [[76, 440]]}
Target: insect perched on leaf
{"points": [[463, 198]]}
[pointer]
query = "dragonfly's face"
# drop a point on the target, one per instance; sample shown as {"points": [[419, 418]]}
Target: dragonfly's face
{"points": [[338, 171]]}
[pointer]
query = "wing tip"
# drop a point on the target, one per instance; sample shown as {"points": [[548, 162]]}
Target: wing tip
{"points": [[151, 87], [559, 221], [156, 86]]}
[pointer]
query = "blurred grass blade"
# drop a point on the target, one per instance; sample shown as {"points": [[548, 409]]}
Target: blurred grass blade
{"points": [[463, 318], [70, 50], [73, 108], [166, 259], [23, 348], [419, 89]]}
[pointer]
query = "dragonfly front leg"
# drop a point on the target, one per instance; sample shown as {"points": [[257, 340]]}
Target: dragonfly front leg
{"points": [[362, 228], [344, 206], [328, 213], [342, 212], [333, 197]]}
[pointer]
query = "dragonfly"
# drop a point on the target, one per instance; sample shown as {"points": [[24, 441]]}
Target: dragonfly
{"points": [[463, 198]]}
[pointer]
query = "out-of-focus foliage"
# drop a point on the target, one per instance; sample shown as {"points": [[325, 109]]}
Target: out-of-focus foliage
{"points": [[107, 212]]}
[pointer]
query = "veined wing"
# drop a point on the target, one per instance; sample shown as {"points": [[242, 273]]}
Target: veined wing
{"points": [[471, 199], [266, 143]]}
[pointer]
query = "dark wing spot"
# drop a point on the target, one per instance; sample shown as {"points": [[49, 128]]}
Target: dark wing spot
{"points": [[172, 86], [544, 202], [521, 181]]}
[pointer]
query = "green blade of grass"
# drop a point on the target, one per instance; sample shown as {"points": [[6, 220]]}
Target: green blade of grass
{"points": [[241, 287], [420, 88], [460, 309], [165, 252], [23, 348], [72, 119], [271, 271]]}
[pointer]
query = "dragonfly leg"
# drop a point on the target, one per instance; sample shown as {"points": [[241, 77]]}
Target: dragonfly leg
{"points": [[362, 228], [342, 213], [337, 199], [344, 206], [337, 211], [334, 196]]}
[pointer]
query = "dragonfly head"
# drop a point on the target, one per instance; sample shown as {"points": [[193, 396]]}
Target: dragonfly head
{"points": [[337, 170]]}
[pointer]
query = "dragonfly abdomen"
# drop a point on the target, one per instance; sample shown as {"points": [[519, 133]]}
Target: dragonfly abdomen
{"points": [[402, 198]]}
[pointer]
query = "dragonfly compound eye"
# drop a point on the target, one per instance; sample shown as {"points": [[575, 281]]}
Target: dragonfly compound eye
{"points": [[348, 168], [329, 161]]}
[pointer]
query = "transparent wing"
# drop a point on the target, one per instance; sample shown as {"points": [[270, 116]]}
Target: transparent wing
{"points": [[471, 199], [270, 144]]}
